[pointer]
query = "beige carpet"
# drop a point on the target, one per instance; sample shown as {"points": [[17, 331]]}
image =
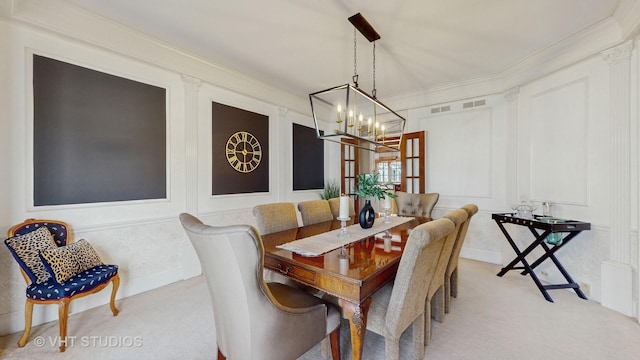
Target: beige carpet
{"points": [[493, 318]]}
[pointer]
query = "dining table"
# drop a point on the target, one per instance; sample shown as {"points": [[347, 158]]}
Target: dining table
{"points": [[348, 274]]}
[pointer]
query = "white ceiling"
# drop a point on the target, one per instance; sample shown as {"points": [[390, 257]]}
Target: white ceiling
{"points": [[303, 46]]}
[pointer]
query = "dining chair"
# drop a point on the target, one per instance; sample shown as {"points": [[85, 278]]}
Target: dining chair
{"points": [[409, 204], [315, 211], [434, 304], [57, 270], [400, 304], [276, 217], [451, 275], [334, 204], [255, 319]]}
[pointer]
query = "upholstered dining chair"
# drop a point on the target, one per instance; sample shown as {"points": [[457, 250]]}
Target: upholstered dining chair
{"points": [[434, 304], [451, 275], [315, 211], [409, 204], [275, 217], [334, 204], [400, 304], [255, 319], [57, 270]]}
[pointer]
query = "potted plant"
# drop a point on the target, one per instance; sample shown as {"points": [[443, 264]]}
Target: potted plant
{"points": [[331, 190], [368, 187]]}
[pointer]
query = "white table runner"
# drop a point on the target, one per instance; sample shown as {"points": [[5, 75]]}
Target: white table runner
{"points": [[322, 243]]}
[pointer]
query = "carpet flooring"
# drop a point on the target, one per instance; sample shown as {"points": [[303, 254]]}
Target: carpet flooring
{"points": [[492, 318]]}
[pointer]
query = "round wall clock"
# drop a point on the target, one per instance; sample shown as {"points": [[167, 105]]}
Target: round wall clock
{"points": [[243, 152]]}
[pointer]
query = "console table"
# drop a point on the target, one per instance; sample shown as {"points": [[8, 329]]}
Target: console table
{"points": [[541, 227]]}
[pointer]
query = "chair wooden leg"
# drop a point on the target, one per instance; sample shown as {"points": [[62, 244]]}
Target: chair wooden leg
{"points": [[334, 339], [63, 315], [28, 315], [116, 284]]}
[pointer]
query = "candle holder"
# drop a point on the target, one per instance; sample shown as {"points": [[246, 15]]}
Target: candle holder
{"points": [[387, 216], [343, 234]]}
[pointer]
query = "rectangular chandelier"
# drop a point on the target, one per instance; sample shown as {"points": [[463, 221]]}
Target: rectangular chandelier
{"points": [[354, 114]]}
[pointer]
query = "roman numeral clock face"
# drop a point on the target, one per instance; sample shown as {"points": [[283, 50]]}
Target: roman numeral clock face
{"points": [[243, 152]]}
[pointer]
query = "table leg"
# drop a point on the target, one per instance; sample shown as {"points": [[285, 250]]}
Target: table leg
{"points": [[357, 315]]}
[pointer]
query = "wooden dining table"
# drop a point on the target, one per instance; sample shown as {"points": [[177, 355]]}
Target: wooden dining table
{"points": [[350, 274]]}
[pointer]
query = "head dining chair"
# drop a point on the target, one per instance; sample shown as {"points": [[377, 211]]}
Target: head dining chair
{"points": [[400, 304], [55, 273], [434, 305], [255, 319], [315, 211], [409, 204], [451, 276]]}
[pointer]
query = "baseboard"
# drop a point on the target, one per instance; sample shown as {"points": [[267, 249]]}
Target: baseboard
{"points": [[492, 257], [14, 322]]}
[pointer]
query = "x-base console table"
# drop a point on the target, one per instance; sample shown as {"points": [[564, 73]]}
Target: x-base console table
{"points": [[542, 227]]}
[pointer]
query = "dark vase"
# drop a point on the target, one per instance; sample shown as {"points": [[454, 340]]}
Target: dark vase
{"points": [[367, 215]]}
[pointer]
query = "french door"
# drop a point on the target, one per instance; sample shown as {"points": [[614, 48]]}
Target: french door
{"points": [[412, 154]]}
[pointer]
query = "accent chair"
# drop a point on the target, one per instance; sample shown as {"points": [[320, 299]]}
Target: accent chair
{"points": [[57, 270]]}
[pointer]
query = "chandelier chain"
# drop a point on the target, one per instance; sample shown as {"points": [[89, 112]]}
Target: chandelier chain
{"points": [[355, 62], [374, 70]]}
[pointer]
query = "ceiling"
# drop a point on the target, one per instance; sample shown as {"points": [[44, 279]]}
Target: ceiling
{"points": [[303, 46]]}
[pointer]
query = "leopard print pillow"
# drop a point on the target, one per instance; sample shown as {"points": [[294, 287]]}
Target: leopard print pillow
{"points": [[26, 248], [68, 261], [61, 262], [86, 256]]}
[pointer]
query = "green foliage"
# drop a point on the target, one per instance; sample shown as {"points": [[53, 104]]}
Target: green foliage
{"points": [[368, 186], [331, 190]]}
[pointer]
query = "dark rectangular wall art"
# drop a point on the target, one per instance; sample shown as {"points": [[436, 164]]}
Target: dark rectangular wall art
{"points": [[308, 159], [97, 137], [239, 151]]}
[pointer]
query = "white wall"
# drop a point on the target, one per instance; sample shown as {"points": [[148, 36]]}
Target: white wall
{"points": [[546, 140], [143, 237]]}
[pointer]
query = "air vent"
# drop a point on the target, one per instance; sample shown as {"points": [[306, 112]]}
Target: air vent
{"points": [[471, 104], [440, 109]]}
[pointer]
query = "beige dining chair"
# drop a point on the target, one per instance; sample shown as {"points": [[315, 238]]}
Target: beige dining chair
{"points": [[315, 211], [409, 204], [334, 204], [255, 319], [400, 304], [451, 275], [275, 217], [434, 304]]}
